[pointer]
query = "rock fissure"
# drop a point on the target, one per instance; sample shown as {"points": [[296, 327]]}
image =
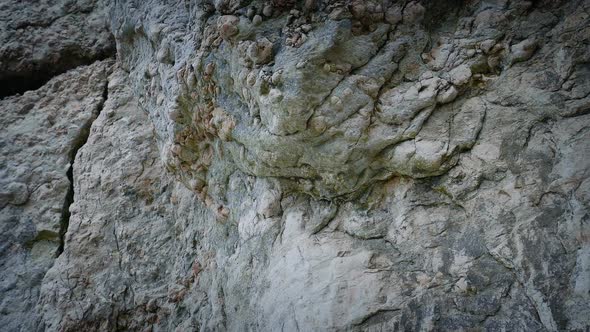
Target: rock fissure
{"points": [[42, 41], [327, 165], [78, 143], [13, 84]]}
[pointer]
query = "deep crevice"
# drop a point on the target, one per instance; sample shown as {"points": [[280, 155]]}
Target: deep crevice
{"points": [[38, 74], [78, 143]]}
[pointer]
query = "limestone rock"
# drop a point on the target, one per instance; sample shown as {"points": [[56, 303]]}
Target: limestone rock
{"points": [[41, 132], [333, 166], [39, 40]]}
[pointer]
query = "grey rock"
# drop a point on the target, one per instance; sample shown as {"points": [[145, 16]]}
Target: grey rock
{"points": [[257, 19], [267, 10], [392, 168], [523, 50], [39, 40], [38, 147]]}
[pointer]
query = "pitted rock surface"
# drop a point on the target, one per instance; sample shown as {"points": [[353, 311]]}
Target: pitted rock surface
{"points": [[41, 131], [316, 166], [41, 39]]}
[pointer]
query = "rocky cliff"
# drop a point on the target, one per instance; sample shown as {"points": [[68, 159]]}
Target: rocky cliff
{"points": [[284, 165]]}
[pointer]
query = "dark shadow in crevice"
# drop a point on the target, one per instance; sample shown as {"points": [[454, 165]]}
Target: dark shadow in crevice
{"points": [[40, 73], [438, 13], [78, 143]]}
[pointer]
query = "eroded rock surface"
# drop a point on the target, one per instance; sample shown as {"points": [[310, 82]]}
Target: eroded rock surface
{"points": [[331, 165], [41, 131], [41, 39]]}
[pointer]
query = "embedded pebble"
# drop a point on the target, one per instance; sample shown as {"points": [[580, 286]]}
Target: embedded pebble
{"points": [[18, 193], [317, 124], [164, 55], [306, 28], [523, 50], [460, 75], [267, 11], [197, 184], [447, 95], [227, 25], [276, 77], [251, 78], [486, 45], [250, 13], [209, 68], [257, 20], [260, 52]]}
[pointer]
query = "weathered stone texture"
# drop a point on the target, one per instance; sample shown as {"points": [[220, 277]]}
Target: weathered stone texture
{"points": [[41, 131], [40, 39], [328, 165]]}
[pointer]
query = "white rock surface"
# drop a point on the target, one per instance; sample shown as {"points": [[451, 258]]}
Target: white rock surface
{"points": [[359, 166]]}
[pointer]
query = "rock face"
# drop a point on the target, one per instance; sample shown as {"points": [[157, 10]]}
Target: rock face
{"points": [[41, 131], [312, 165], [40, 39]]}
